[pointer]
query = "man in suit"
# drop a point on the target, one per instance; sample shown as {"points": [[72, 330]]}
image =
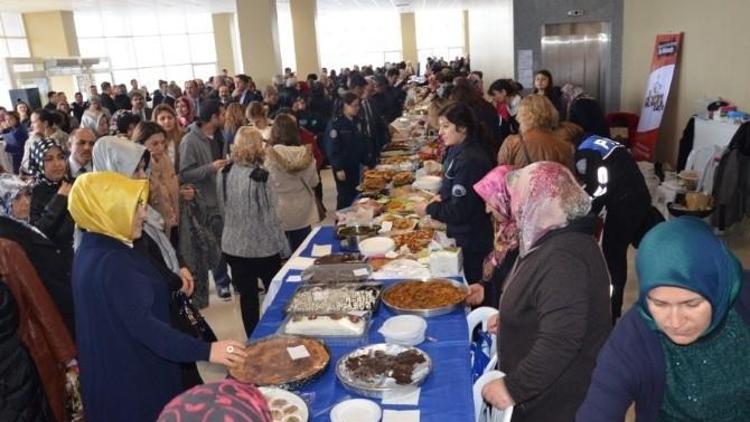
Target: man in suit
{"points": [[139, 106], [244, 90], [81, 144], [193, 92], [160, 93], [79, 106], [107, 101]]}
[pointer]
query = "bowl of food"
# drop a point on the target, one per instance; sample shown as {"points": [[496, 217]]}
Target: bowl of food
{"points": [[285, 406], [351, 236], [426, 298], [428, 183], [376, 246]]}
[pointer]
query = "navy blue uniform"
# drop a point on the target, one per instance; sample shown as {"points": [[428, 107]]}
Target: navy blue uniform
{"points": [[614, 181], [346, 148], [460, 206]]}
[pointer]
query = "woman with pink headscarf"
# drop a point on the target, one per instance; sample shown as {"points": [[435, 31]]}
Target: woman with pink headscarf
{"points": [[554, 310]]}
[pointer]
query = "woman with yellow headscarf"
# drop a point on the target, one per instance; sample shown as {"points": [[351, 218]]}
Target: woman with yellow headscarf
{"points": [[128, 354]]}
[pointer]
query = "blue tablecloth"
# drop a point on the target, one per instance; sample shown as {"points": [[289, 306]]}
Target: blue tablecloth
{"points": [[446, 394]]}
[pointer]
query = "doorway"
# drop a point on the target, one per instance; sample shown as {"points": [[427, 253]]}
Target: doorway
{"points": [[578, 53]]}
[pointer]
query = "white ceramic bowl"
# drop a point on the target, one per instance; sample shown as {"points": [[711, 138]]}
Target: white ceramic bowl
{"points": [[428, 183], [376, 246], [360, 410], [408, 330]]}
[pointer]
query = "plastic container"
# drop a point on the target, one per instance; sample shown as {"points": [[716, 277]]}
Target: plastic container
{"points": [[362, 410], [376, 246], [407, 330]]}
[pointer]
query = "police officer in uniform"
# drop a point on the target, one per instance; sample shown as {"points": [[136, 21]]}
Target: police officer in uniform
{"points": [[612, 178], [457, 204], [345, 146]]}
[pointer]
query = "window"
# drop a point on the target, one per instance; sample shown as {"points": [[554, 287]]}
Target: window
{"points": [[149, 45], [345, 39], [440, 33], [286, 35], [13, 43]]}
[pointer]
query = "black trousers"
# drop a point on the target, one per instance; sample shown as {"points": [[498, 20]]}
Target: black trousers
{"points": [[346, 191], [245, 275]]}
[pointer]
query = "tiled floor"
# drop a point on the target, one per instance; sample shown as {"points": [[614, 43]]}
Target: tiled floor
{"points": [[225, 319]]}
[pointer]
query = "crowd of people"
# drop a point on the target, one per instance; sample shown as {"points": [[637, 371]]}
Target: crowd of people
{"points": [[117, 207]]}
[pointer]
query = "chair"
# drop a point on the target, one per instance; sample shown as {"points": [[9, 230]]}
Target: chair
{"points": [[476, 317]]}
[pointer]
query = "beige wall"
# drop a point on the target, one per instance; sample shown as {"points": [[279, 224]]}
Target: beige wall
{"points": [[305, 37], [467, 37], [53, 35], [223, 40], [491, 39], [714, 60], [409, 38]]}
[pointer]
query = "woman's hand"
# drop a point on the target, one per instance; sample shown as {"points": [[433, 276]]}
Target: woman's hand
{"points": [[493, 323], [229, 353], [476, 294], [421, 209], [496, 394], [187, 192], [187, 281], [64, 189], [341, 176]]}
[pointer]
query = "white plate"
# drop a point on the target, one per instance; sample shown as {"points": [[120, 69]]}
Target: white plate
{"points": [[376, 246], [359, 410], [272, 393], [428, 183]]}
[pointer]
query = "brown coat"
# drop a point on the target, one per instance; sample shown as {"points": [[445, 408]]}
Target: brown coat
{"points": [[541, 145], [41, 328], [164, 195]]}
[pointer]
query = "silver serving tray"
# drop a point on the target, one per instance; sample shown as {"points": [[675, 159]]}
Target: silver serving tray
{"points": [[288, 308], [427, 313], [336, 273], [377, 389]]}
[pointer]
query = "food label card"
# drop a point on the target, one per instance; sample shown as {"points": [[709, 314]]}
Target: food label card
{"points": [[298, 352], [359, 272], [294, 278], [320, 250], [386, 226]]}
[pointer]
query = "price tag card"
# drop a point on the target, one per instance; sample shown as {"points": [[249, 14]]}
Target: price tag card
{"points": [[294, 278], [386, 226], [361, 272], [321, 250], [298, 352]]}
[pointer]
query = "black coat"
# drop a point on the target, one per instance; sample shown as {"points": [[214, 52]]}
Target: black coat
{"points": [[51, 263], [49, 213], [109, 103], [122, 102], [22, 397]]}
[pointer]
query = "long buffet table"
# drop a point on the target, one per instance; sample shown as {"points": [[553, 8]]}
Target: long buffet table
{"points": [[446, 395]]}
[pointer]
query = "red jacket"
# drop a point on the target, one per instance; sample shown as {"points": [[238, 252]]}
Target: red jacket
{"points": [[308, 138]]}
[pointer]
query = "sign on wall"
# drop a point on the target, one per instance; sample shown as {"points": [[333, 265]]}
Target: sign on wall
{"points": [[663, 64]]}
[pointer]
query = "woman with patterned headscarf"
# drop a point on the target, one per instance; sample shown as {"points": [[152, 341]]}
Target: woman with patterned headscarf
{"points": [[49, 197], [681, 353], [227, 400], [52, 266], [554, 310]]}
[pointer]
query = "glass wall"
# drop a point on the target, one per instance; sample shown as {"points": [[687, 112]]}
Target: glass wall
{"points": [[286, 35], [346, 39], [440, 33], [13, 43], [149, 45]]}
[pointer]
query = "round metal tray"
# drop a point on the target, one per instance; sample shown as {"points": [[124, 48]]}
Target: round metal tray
{"points": [[433, 312], [371, 390], [296, 383]]}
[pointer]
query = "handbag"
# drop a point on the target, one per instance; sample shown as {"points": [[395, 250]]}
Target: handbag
{"points": [[199, 327], [318, 203]]}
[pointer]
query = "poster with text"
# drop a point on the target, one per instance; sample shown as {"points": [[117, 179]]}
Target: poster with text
{"points": [[663, 64]]}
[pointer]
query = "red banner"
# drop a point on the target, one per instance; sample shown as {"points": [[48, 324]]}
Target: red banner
{"points": [[663, 64]]}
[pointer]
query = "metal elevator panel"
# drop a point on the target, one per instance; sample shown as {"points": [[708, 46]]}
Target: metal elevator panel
{"points": [[578, 53]]}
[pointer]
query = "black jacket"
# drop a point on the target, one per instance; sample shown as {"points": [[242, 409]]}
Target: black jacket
{"points": [[109, 103], [49, 213], [460, 206], [122, 102], [52, 264], [22, 397]]}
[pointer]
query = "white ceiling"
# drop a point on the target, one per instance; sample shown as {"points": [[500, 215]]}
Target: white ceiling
{"points": [[216, 6]]}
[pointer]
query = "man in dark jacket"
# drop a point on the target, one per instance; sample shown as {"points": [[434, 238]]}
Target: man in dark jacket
{"points": [[107, 101]]}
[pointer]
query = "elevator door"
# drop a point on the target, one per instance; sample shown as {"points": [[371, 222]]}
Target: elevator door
{"points": [[578, 53]]}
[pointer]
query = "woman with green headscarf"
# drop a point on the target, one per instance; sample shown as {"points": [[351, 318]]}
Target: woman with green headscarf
{"points": [[681, 354]]}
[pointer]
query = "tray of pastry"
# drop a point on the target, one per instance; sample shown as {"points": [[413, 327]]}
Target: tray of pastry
{"points": [[373, 370], [346, 272], [335, 298], [334, 325], [427, 298], [284, 361]]}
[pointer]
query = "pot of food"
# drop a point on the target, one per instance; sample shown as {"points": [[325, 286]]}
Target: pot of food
{"points": [[350, 236]]}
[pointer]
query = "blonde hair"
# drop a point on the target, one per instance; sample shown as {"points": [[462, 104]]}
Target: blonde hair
{"points": [[248, 146], [234, 117], [537, 112]]}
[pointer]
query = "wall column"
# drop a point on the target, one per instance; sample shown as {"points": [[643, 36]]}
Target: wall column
{"points": [[467, 39], [223, 40], [305, 36], [409, 38], [258, 34], [53, 35]]}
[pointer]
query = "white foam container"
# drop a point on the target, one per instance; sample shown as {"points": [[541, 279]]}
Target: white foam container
{"points": [[407, 330]]}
